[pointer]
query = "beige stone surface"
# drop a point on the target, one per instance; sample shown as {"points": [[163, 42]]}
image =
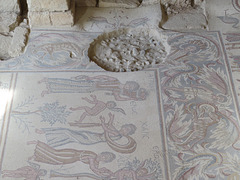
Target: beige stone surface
{"points": [[119, 3], [83, 3], [63, 18], [176, 6], [147, 2], [12, 44], [39, 18], [5, 42], [48, 5], [190, 19], [184, 14], [48, 19], [9, 6], [8, 20], [19, 40]]}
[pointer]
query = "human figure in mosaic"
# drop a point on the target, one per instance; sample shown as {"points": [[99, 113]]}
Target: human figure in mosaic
{"points": [[110, 130], [98, 107], [61, 136], [45, 154], [32, 172], [139, 173], [85, 84]]}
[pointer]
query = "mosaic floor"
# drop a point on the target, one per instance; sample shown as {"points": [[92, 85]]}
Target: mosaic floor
{"points": [[63, 117]]}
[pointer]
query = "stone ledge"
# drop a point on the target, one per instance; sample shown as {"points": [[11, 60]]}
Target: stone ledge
{"points": [[48, 5], [149, 2], [190, 19], [119, 3], [86, 3]]}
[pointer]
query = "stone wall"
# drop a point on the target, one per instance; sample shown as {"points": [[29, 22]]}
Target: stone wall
{"points": [[179, 14], [13, 29], [51, 12]]}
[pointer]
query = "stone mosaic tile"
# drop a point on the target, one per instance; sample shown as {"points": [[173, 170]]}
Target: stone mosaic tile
{"points": [[179, 120], [48, 119]]}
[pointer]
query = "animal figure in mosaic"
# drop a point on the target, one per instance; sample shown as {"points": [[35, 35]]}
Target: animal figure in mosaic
{"points": [[131, 90], [98, 21], [214, 88], [31, 172], [205, 120], [49, 49], [203, 117], [46, 154], [136, 22], [196, 166], [228, 19], [98, 107]]}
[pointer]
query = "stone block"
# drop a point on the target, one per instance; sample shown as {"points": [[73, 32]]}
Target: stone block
{"points": [[39, 19], [190, 19], [63, 18], [9, 6], [48, 19], [119, 3], [48, 5], [84, 3], [185, 14], [12, 44]]}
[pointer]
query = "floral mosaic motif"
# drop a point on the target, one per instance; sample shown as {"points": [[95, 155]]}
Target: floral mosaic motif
{"points": [[19, 113], [236, 4], [50, 112], [4, 85], [152, 166], [198, 108], [193, 46], [53, 112]]}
